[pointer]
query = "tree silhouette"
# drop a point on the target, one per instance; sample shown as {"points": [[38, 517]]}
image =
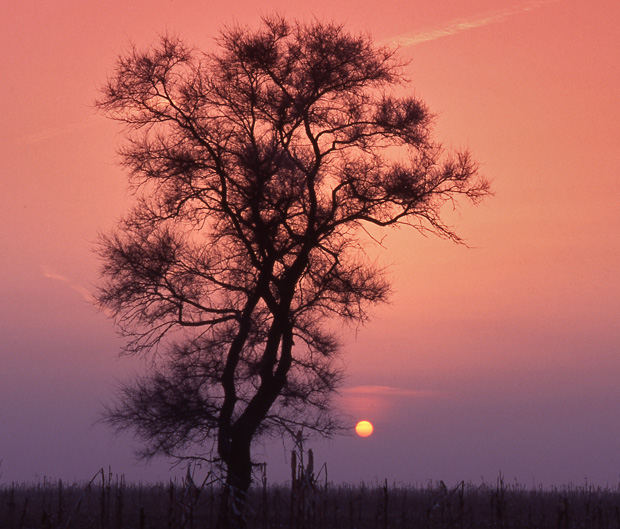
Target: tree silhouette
{"points": [[256, 170]]}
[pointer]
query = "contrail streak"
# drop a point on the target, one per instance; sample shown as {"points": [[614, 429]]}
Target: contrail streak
{"points": [[78, 288], [460, 25]]}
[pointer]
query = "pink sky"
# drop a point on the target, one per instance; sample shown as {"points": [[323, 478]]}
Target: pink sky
{"points": [[504, 356]]}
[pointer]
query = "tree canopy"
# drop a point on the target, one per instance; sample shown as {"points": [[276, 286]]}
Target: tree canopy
{"points": [[257, 168]]}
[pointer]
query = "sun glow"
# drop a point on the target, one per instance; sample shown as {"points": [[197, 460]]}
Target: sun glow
{"points": [[364, 428]]}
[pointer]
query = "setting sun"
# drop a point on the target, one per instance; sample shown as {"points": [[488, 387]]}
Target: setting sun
{"points": [[364, 428]]}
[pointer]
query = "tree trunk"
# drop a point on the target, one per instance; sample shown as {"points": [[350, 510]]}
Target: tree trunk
{"points": [[238, 480]]}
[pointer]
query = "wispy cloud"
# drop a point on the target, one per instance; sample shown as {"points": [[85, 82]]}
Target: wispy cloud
{"points": [[459, 25], [53, 275], [379, 401], [84, 292], [51, 133], [383, 391]]}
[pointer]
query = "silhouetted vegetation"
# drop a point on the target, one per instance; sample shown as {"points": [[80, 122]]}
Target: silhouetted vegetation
{"points": [[108, 502], [259, 169]]}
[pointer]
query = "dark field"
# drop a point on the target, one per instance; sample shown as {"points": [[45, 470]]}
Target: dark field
{"points": [[107, 502]]}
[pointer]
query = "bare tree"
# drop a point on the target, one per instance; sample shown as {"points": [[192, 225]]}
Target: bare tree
{"points": [[256, 170]]}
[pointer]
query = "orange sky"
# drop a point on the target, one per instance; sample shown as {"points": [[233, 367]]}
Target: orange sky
{"points": [[501, 356]]}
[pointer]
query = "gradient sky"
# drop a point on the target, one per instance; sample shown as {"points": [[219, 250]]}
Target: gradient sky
{"points": [[501, 356]]}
